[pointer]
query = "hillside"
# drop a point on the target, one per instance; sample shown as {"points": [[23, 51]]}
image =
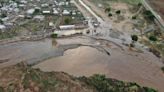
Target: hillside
{"points": [[22, 78]]}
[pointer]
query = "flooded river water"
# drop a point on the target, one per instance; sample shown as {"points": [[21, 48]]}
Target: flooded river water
{"points": [[81, 56], [31, 52]]}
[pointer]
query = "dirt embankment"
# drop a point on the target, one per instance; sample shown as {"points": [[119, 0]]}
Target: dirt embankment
{"points": [[158, 6], [21, 78]]}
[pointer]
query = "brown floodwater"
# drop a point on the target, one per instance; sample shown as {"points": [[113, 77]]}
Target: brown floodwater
{"points": [[31, 52], [85, 60], [127, 66]]}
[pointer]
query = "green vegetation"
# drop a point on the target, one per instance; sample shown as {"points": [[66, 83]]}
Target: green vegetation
{"points": [[73, 19], [152, 38], [54, 35], [134, 17], [103, 84], [10, 34], [1, 22], [110, 14], [162, 68], [67, 21], [108, 9], [1, 89], [3, 15], [37, 11], [134, 37], [148, 14], [26, 79], [118, 12], [139, 4], [35, 77], [149, 89], [160, 47]]}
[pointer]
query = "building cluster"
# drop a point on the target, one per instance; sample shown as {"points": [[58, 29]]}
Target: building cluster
{"points": [[15, 12]]}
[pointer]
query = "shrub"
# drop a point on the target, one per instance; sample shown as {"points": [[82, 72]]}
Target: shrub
{"points": [[108, 9], [1, 89], [139, 4], [110, 14], [134, 17], [134, 37], [148, 14], [118, 12], [149, 89], [67, 21], [3, 15], [152, 38], [88, 32], [162, 68], [103, 84], [36, 11], [1, 22], [54, 35], [131, 45]]}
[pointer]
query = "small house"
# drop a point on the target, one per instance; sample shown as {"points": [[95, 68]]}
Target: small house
{"points": [[30, 11], [46, 12], [66, 12], [67, 27]]}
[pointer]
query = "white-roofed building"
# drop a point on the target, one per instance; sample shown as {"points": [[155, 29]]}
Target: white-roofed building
{"points": [[46, 12], [55, 11], [30, 11], [66, 27], [39, 17], [66, 12], [2, 28]]}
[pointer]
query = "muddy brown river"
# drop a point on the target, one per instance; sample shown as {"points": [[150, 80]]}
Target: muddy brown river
{"points": [[31, 52]]}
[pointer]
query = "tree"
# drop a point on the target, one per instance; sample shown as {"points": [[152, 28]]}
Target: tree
{"points": [[134, 17], [134, 38], [152, 38], [108, 9], [110, 14], [162, 68], [139, 4], [148, 14], [3, 15], [54, 35], [67, 21], [1, 22], [68, 0], [118, 12], [37, 11]]}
